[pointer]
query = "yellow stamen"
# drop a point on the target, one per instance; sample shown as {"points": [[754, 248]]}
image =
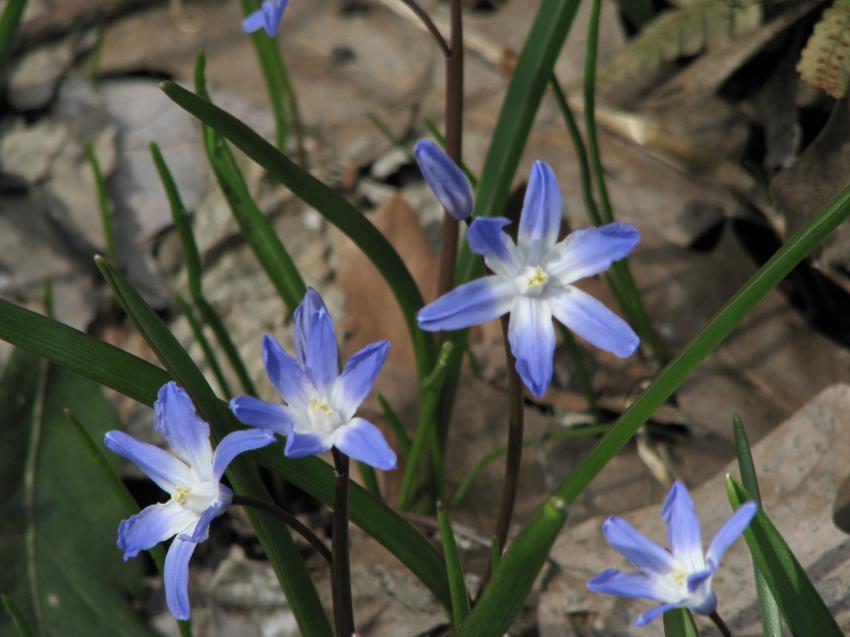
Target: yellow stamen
{"points": [[679, 577], [538, 277], [323, 406], [180, 494]]}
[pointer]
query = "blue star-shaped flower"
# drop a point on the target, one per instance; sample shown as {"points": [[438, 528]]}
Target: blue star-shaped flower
{"points": [[680, 578], [320, 401], [533, 280], [191, 475]]}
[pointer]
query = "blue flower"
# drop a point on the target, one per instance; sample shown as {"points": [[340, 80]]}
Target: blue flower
{"points": [[533, 279], [320, 402], [678, 579], [445, 179], [267, 17], [191, 475]]}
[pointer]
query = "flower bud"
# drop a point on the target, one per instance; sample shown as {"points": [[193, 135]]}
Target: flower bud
{"points": [[445, 179]]}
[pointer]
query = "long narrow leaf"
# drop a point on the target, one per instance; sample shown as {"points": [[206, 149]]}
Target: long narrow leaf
{"points": [[140, 380], [10, 20], [457, 583], [512, 581], [275, 538], [102, 202], [334, 208], [803, 609], [18, 620], [679, 623], [771, 621]]}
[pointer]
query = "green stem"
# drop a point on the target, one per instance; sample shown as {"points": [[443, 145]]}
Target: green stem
{"points": [[633, 307], [209, 354]]}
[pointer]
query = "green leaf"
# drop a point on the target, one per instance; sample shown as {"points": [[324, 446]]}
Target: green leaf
{"points": [[802, 607], [512, 581], [140, 380], [10, 20], [102, 202], [457, 583], [66, 579], [274, 537], [18, 620], [770, 617], [329, 204], [679, 623]]}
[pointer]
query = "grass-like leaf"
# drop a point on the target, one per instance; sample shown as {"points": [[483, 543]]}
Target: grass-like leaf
{"points": [[770, 616], [18, 621], [329, 204], [457, 583], [10, 20], [679, 623], [515, 574], [102, 202], [802, 607], [140, 380]]}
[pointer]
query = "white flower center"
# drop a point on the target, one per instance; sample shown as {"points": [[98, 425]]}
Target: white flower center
{"points": [[531, 281], [197, 497], [323, 418]]}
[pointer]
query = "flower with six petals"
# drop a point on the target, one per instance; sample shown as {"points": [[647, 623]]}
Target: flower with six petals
{"points": [[533, 280], [320, 401], [191, 475], [680, 578]]}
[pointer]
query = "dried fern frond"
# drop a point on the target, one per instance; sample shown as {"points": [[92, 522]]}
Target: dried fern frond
{"points": [[683, 31], [825, 62]]}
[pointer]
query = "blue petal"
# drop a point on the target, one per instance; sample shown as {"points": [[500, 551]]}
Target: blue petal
{"points": [[695, 580], [363, 441], [284, 373], [200, 532], [591, 320], [186, 433], [683, 529], [300, 445], [176, 577], [540, 219], [614, 582], [590, 251], [730, 531], [152, 525], [706, 606], [160, 466], [254, 21], [235, 443], [258, 413], [643, 553], [310, 305], [357, 378], [274, 15], [486, 237], [532, 339], [649, 615], [322, 357], [472, 303], [446, 180]]}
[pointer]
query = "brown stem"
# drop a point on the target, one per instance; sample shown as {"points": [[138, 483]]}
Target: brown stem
{"points": [[513, 459], [340, 567], [721, 625], [429, 24], [454, 142], [294, 523]]}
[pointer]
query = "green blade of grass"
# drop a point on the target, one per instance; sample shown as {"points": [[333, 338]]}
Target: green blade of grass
{"points": [[18, 620], [203, 341], [102, 202], [140, 380], [10, 20], [192, 260], [771, 621], [517, 569], [329, 204], [457, 583], [679, 623], [802, 607], [274, 537], [401, 436]]}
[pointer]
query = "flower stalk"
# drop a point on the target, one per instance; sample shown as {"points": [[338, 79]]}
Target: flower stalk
{"points": [[721, 625], [340, 566]]}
